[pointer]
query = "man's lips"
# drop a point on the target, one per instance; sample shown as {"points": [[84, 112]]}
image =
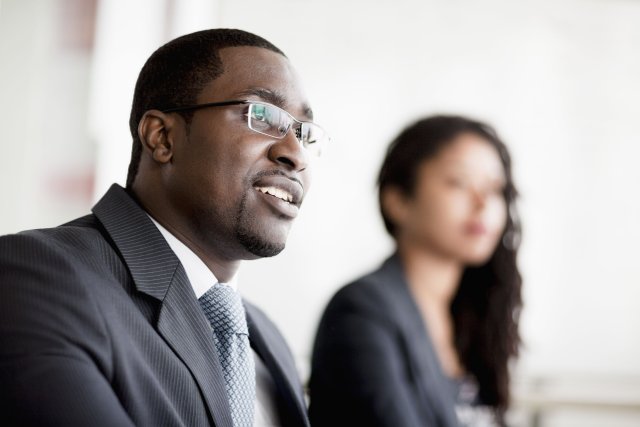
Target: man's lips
{"points": [[281, 187]]}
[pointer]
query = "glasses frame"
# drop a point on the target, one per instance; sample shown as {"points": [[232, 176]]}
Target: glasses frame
{"points": [[297, 130]]}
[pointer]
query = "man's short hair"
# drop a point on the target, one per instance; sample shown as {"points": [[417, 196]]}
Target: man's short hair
{"points": [[177, 72]]}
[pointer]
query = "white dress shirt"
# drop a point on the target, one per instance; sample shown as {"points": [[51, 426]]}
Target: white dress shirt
{"points": [[201, 279]]}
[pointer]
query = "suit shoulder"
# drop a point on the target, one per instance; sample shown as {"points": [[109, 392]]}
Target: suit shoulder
{"points": [[74, 255], [86, 226], [366, 294], [75, 240]]}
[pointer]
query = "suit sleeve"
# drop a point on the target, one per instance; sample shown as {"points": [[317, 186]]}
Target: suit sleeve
{"points": [[54, 348], [358, 372]]}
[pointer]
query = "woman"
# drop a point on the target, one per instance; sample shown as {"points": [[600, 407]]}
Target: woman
{"points": [[426, 339]]}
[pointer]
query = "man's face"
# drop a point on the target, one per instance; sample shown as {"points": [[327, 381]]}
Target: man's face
{"points": [[225, 182]]}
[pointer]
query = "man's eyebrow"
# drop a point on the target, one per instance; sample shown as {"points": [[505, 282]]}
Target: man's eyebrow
{"points": [[274, 98], [266, 95]]}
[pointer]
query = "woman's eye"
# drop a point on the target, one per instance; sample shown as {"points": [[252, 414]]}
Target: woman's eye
{"points": [[499, 191], [456, 183], [497, 188]]}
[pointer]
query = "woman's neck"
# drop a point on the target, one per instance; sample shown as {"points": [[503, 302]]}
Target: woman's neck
{"points": [[430, 276], [433, 282]]}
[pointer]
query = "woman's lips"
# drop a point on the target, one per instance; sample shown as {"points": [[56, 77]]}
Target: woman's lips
{"points": [[476, 229]]}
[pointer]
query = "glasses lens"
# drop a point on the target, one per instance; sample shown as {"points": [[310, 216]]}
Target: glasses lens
{"points": [[273, 121], [269, 120], [312, 137]]}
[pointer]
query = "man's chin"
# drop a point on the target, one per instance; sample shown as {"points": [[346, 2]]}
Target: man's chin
{"points": [[259, 246], [265, 250]]}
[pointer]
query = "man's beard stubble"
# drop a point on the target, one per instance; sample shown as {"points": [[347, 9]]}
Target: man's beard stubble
{"points": [[249, 238]]}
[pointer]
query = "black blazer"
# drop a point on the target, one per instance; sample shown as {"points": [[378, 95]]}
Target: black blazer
{"points": [[373, 362], [99, 326]]}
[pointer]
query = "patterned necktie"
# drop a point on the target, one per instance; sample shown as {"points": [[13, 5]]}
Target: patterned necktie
{"points": [[223, 307]]}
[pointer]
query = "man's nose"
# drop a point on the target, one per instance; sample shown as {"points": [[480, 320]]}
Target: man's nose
{"points": [[289, 151]]}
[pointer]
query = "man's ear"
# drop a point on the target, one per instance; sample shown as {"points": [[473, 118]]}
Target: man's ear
{"points": [[155, 132]]}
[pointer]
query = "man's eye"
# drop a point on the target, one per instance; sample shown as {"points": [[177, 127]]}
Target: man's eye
{"points": [[259, 112]]}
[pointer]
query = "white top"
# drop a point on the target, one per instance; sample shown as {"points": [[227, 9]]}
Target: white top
{"points": [[201, 279]]}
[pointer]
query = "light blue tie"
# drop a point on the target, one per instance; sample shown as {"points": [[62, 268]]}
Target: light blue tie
{"points": [[223, 307]]}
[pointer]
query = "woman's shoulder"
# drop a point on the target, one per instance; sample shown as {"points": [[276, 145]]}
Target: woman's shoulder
{"points": [[372, 292]]}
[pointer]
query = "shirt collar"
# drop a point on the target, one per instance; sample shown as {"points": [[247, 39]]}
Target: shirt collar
{"points": [[199, 275]]}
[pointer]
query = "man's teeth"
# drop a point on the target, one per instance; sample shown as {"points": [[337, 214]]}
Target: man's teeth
{"points": [[281, 194]]}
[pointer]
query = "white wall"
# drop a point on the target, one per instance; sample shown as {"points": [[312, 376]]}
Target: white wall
{"points": [[45, 156], [560, 82], [558, 79]]}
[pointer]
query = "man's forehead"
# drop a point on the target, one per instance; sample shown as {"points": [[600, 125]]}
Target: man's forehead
{"points": [[258, 73], [256, 63]]}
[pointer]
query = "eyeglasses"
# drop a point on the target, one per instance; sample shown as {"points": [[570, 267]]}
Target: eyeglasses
{"points": [[273, 121]]}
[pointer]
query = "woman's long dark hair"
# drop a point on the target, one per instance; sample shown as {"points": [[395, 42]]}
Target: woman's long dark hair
{"points": [[486, 308]]}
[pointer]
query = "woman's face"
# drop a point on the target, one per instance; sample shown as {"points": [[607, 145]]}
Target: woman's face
{"points": [[458, 209]]}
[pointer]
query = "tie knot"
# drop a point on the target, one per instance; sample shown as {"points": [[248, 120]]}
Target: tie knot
{"points": [[224, 310]]}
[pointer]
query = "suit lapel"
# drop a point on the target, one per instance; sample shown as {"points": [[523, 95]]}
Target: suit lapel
{"points": [[273, 351], [183, 325], [423, 359], [157, 272]]}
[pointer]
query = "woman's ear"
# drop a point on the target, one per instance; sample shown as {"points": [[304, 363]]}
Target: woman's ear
{"points": [[154, 131], [395, 205]]}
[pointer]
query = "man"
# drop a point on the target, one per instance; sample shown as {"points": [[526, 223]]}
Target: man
{"points": [[129, 316]]}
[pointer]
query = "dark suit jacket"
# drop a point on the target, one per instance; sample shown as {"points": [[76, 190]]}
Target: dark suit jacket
{"points": [[99, 326], [373, 362]]}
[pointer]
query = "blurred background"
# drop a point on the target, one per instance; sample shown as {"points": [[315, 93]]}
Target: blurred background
{"points": [[560, 80]]}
